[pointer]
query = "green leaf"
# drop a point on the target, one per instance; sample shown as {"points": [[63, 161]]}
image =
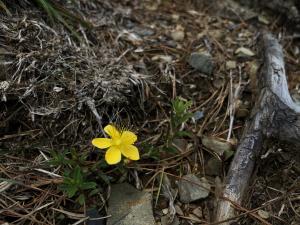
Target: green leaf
{"points": [[170, 149], [77, 175], [67, 173], [183, 134], [88, 185], [186, 117], [68, 180], [71, 190], [180, 113], [94, 192], [58, 158], [81, 199]]}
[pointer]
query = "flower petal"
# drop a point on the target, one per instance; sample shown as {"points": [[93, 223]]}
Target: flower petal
{"points": [[113, 155], [128, 138], [112, 131], [131, 152], [102, 142]]}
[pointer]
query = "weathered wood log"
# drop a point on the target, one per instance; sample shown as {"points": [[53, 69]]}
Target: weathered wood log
{"points": [[275, 115]]}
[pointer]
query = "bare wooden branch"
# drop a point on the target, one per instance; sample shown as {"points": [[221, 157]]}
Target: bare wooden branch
{"points": [[274, 115]]}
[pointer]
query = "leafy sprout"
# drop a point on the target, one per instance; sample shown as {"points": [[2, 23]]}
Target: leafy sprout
{"points": [[75, 183], [179, 115]]}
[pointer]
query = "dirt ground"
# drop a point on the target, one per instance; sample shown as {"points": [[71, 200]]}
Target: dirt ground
{"points": [[58, 92]]}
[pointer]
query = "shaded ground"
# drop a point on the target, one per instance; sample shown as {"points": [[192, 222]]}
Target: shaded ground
{"points": [[57, 93]]}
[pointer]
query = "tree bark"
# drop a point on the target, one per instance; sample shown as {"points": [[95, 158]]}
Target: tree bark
{"points": [[275, 115]]}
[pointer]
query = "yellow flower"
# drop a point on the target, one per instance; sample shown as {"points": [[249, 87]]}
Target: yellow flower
{"points": [[119, 143]]}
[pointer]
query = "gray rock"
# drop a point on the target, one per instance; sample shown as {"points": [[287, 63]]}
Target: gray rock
{"points": [[191, 188], [198, 115], [144, 31], [202, 61], [171, 43], [166, 221], [178, 35], [128, 206], [215, 144]]}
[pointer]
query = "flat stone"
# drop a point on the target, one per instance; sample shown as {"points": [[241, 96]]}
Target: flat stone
{"points": [[215, 144], [202, 61], [166, 221], [128, 206], [191, 188]]}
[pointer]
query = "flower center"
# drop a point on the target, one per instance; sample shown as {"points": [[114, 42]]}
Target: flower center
{"points": [[117, 141]]}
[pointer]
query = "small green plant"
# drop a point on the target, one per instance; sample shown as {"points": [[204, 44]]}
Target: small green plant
{"points": [[75, 179], [67, 158], [58, 158], [77, 170], [179, 116], [75, 184]]}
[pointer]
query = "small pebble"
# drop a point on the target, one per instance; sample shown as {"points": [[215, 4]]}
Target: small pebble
{"points": [[177, 35], [202, 61], [165, 211]]}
